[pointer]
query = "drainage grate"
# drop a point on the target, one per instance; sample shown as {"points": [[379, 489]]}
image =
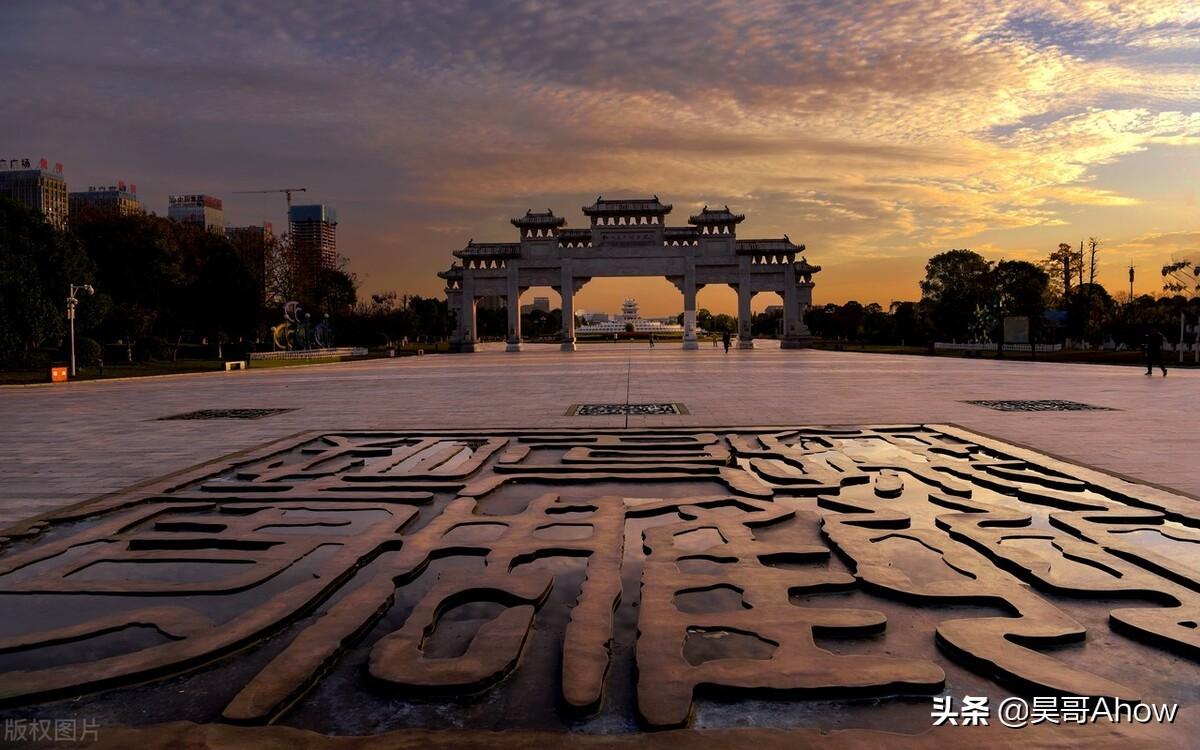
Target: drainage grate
{"points": [[620, 410], [1044, 405], [227, 414]]}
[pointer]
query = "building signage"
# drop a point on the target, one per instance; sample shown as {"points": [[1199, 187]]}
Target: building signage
{"points": [[195, 201], [23, 163], [628, 239]]}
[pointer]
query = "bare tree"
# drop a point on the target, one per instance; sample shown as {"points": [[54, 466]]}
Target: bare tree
{"points": [[1093, 244], [281, 273]]}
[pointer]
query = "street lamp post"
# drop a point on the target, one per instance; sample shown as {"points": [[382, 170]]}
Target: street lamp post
{"points": [[72, 301]]}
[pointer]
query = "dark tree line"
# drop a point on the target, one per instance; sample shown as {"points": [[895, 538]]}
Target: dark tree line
{"points": [[161, 284], [37, 263], [965, 298], [387, 319], [158, 284]]}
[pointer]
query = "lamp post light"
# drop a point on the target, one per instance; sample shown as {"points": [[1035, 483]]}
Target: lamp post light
{"points": [[72, 301]]}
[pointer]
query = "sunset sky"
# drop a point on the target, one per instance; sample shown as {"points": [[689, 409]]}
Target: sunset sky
{"points": [[878, 133]]}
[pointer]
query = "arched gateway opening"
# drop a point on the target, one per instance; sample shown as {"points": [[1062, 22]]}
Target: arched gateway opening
{"points": [[629, 237]]}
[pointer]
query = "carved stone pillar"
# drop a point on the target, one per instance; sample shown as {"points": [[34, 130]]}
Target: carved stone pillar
{"points": [[745, 294], [454, 307], [513, 341], [689, 308], [795, 333], [467, 312], [804, 301], [567, 291]]}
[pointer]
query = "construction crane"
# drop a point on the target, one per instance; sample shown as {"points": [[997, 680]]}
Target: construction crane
{"points": [[286, 191]]}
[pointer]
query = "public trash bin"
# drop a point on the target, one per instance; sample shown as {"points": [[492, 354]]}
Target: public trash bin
{"points": [[58, 374]]}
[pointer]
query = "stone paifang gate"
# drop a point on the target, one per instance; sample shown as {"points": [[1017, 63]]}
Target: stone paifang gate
{"points": [[629, 237]]}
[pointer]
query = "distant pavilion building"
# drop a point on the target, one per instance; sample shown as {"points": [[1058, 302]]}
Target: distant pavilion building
{"points": [[628, 318], [629, 237]]}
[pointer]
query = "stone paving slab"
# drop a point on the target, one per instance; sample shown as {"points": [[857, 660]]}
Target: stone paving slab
{"points": [[580, 583], [64, 444]]}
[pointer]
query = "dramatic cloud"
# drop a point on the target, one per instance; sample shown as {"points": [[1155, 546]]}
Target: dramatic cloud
{"points": [[877, 133]]}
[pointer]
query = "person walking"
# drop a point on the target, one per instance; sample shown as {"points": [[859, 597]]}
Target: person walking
{"points": [[1153, 347], [652, 341], [725, 341]]}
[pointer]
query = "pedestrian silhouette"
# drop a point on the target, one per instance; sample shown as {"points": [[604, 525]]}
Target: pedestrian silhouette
{"points": [[1153, 346], [652, 341], [725, 341]]}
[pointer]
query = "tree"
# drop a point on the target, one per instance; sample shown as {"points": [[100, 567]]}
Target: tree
{"points": [[1093, 244], [850, 320], [1088, 309], [281, 270], [766, 323], [954, 288], [337, 291], [37, 263], [219, 296], [1021, 286], [1061, 266], [139, 265], [877, 326], [908, 325], [723, 323], [822, 321], [1019, 289]]}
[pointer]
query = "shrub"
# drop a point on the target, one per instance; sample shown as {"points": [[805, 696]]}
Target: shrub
{"points": [[87, 352], [152, 347], [40, 359]]}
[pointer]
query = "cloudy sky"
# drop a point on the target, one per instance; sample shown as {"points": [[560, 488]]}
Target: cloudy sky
{"points": [[878, 133]]}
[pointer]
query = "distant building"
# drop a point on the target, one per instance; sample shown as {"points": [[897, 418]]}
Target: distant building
{"points": [[629, 317], [201, 210], [314, 242], [251, 245], [114, 200], [774, 310], [539, 303], [314, 232], [36, 187], [491, 302]]}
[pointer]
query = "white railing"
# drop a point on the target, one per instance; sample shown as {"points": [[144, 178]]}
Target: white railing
{"points": [[345, 351], [991, 346]]}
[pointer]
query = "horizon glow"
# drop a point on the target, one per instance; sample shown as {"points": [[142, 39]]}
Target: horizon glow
{"points": [[878, 135]]}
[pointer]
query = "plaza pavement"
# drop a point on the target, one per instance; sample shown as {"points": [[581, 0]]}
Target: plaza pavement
{"points": [[66, 443]]}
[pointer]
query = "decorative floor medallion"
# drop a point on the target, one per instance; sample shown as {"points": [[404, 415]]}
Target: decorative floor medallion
{"points": [[227, 414], [1039, 405], [603, 581], [619, 410]]}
